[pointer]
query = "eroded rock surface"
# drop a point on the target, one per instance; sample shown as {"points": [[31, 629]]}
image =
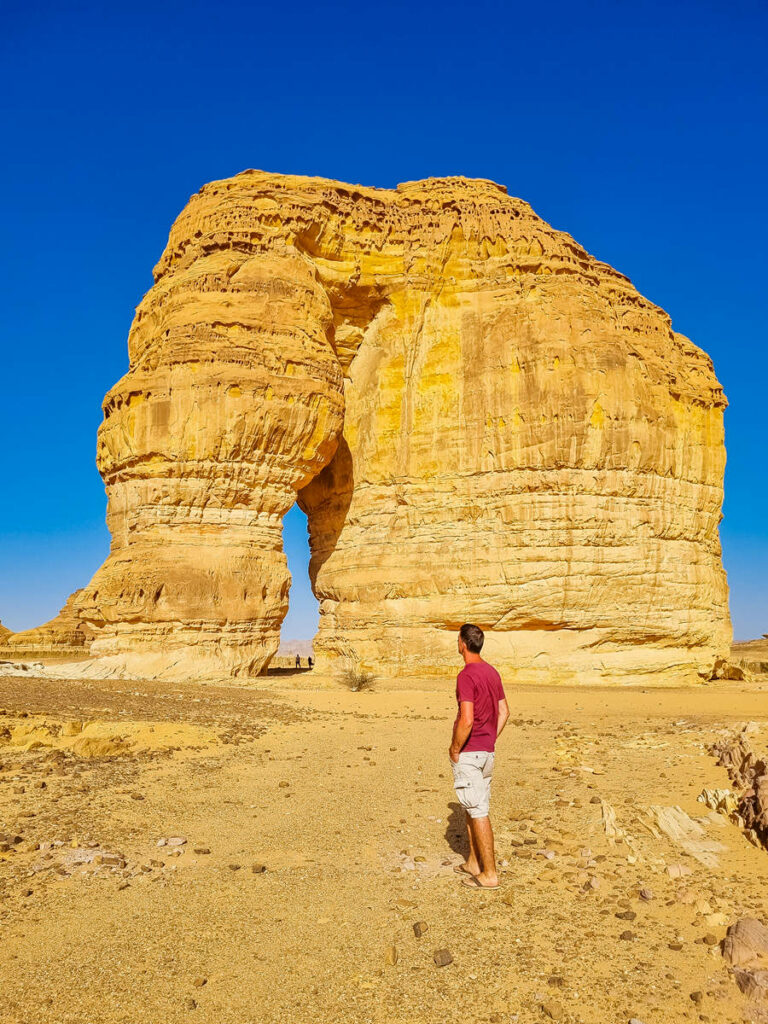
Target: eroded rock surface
{"points": [[482, 422], [748, 772], [66, 634]]}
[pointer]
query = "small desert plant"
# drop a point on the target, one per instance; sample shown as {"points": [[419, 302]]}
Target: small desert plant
{"points": [[355, 677]]}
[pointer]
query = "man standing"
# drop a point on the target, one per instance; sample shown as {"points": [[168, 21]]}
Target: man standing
{"points": [[483, 713]]}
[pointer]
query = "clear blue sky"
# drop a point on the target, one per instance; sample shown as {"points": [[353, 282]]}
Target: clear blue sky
{"points": [[640, 128]]}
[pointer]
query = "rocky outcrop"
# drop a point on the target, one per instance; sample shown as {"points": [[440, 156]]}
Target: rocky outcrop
{"points": [[66, 634], [482, 422], [748, 773], [751, 657]]}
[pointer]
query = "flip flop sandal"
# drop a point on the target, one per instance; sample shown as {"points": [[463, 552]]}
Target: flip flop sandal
{"points": [[461, 870], [472, 883]]}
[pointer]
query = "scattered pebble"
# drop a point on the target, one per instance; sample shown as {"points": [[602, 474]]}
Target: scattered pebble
{"points": [[442, 957]]}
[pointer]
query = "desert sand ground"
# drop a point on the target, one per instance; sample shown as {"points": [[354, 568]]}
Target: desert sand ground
{"points": [[345, 799]]}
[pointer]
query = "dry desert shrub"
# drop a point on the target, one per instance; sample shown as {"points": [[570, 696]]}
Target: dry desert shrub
{"points": [[355, 677]]}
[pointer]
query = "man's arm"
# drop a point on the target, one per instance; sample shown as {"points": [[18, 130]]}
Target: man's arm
{"points": [[503, 716], [462, 727]]}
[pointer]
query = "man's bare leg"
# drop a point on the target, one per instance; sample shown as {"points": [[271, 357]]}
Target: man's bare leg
{"points": [[471, 864], [482, 844]]}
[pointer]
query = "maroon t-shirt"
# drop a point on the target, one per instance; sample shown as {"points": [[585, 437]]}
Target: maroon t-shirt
{"points": [[481, 683]]}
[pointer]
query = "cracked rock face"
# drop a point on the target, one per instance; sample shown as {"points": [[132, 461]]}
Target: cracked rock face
{"points": [[482, 422]]}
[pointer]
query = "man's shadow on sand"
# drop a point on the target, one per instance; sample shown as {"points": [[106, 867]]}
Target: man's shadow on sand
{"points": [[456, 830]]}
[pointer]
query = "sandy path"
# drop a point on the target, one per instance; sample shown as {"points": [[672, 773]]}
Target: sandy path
{"points": [[346, 799]]}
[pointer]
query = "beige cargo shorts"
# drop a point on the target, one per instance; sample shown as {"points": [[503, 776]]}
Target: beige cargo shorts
{"points": [[472, 781]]}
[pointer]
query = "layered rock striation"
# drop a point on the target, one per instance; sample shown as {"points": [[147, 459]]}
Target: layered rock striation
{"points": [[482, 422], [66, 635]]}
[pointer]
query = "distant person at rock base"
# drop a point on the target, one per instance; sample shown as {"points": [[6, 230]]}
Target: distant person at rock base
{"points": [[298, 661], [483, 713], [310, 662]]}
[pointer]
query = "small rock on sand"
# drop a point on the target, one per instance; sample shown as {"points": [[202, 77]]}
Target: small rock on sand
{"points": [[552, 1010], [420, 928], [442, 957]]}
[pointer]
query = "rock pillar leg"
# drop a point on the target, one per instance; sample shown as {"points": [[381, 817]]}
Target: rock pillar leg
{"points": [[232, 403]]}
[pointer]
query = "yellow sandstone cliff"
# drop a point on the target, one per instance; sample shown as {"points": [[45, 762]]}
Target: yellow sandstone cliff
{"points": [[482, 422]]}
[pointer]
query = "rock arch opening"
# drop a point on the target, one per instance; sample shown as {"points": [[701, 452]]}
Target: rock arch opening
{"points": [[298, 628]]}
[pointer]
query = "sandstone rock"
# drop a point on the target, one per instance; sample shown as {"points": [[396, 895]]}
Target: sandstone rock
{"points": [[746, 944], [749, 773], [753, 984], [752, 656], [442, 957], [67, 633], [441, 380], [553, 1010]]}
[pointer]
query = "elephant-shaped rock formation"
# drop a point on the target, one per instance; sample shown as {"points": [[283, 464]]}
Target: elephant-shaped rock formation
{"points": [[481, 421]]}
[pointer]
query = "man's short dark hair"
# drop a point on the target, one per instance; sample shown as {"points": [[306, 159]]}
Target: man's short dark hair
{"points": [[473, 637]]}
